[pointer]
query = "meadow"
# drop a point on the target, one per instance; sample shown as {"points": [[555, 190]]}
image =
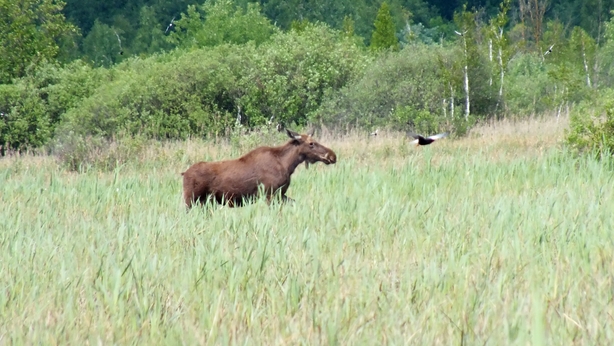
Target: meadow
{"points": [[501, 237]]}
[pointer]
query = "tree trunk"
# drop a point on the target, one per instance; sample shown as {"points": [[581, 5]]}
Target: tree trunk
{"points": [[467, 102], [588, 76]]}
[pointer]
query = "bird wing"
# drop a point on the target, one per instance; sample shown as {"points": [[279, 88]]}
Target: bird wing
{"points": [[439, 136], [169, 25]]}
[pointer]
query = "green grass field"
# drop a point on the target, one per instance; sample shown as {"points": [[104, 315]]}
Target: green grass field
{"points": [[497, 238]]}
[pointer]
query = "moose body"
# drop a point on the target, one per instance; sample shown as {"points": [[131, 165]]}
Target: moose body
{"points": [[264, 169]]}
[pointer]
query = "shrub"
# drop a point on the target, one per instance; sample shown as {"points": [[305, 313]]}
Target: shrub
{"points": [[78, 152], [162, 98], [592, 125], [294, 73], [205, 91], [397, 88], [24, 120], [527, 86], [34, 104]]}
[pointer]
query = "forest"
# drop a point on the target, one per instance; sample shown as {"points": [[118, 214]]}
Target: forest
{"points": [[79, 74]]}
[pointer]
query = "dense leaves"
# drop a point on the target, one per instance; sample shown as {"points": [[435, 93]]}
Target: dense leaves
{"points": [[161, 70], [208, 91], [29, 30], [384, 34], [220, 22]]}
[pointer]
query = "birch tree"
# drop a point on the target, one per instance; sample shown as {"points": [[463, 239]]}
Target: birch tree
{"points": [[498, 42], [466, 23]]}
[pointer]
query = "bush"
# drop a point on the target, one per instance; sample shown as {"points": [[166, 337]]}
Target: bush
{"points": [[77, 152], [534, 86], [160, 97], [24, 120], [295, 72], [592, 125], [33, 105], [397, 88], [205, 91]]}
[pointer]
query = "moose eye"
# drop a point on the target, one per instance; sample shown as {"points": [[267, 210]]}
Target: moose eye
{"points": [[311, 145]]}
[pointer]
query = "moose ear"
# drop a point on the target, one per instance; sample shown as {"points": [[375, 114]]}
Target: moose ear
{"points": [[293, 135], [310, 133]]}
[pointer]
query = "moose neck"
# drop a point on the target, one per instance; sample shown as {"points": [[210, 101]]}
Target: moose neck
{"points": [[290, 157]]}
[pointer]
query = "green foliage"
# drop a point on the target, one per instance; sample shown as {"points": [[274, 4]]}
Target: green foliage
{"points": [[348, 27], [234, 68], [29, 34], [592, 125], [383, 36], [80, 153], [24, 122], [102, 45], [409, 86], [416, 120], [221, 21], [529, 86], [205, 91], [150, 38], [164, 99], [33, 105], [295, 72], [243, 139], [605, 74]]}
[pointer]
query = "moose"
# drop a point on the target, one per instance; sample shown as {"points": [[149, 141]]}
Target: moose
{"points": [[263, 170]]}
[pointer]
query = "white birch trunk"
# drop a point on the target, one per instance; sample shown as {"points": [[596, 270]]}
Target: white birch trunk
{"points": [[490, 58], [467, 102], [502, 74], [588, 76], [451, 102]]}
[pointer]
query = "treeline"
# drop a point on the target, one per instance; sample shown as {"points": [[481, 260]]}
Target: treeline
{"points": [[140, 22], [224, 65]]}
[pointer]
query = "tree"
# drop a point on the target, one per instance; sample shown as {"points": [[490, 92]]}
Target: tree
{"points": [[348, 27], [384, 34], [498, 41], [149, 36], [102, 46], [466, 22], [584, 48], [532, 14], [224, 22], [29, 34]]}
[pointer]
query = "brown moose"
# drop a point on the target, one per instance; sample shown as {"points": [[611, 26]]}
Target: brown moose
{"points": [[264, 169]]}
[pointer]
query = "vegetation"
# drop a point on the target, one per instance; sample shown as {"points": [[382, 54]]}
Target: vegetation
{"points": [[209, 69], [30, 33], [497, 237], [384, 34]]}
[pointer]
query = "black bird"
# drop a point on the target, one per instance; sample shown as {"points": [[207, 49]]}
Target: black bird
{"points": [[420, 140]]}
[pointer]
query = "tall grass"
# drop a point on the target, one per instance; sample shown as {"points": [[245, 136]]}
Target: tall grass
{"points": [[499, 238]]}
